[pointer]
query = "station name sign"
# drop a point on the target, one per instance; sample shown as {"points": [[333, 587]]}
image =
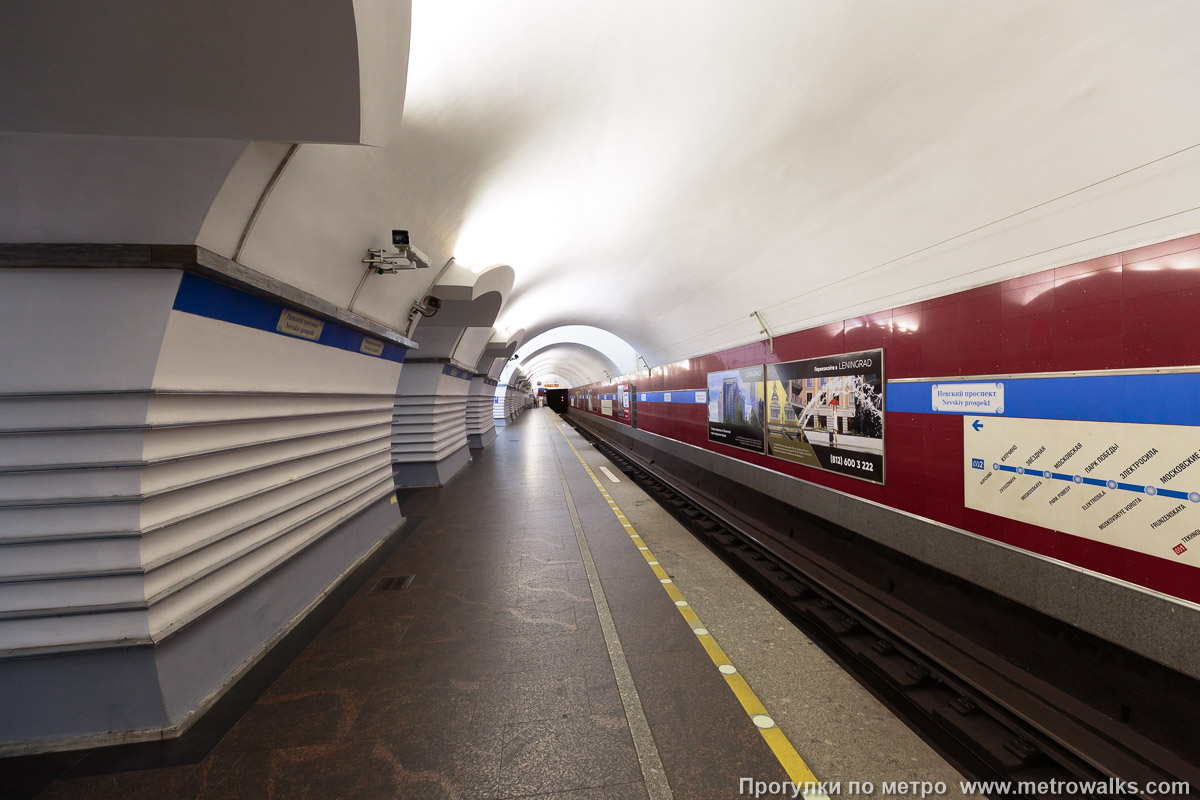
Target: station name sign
{"points": [[968, 398]]}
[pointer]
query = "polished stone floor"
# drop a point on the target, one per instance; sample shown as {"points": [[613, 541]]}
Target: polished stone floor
{"points": [[487, 676]]}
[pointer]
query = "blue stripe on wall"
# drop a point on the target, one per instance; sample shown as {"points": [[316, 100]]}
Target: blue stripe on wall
{"points": [[1170, 399], [677, 396], [206, 298]]}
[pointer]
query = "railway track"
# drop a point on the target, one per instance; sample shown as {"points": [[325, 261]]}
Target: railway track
{"points": [[990, 719]]}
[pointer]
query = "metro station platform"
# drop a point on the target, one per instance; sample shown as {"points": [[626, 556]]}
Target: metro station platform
{"points": [[544, 629]]}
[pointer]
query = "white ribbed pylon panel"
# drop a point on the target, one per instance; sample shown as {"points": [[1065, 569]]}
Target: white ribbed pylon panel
{"points": [[429, 415], [516, 401], [428, 427], [121, 526], [194, 458], [479, 406], [512, 405]]}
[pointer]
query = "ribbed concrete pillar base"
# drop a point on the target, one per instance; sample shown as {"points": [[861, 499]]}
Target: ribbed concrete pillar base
{"points": [[481, 429], [477, 441], [431, 473], [76, 700]]}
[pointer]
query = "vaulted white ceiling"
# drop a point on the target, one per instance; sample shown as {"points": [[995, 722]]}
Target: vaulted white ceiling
{"points": [[665, 169]]}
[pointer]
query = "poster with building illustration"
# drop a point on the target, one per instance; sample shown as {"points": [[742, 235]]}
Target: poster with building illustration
{"points": [[828, 413], [735, 407]]}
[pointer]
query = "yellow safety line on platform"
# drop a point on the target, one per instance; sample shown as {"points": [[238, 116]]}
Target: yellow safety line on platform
{"points": [[789, 759]]}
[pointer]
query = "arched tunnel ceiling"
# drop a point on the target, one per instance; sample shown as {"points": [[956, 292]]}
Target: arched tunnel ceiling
{"points": [[597, 350], [572, 364], [663, 170]]}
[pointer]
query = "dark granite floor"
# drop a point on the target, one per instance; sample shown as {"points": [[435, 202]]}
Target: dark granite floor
{"points": [[486, 677]]}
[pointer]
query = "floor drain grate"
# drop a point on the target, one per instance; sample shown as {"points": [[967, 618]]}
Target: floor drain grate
{"points": [[394, 584]]}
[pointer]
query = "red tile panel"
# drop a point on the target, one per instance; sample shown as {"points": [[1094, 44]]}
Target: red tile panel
{"points": [[1177, 272], [1027, 301], [1088, 288], [981, 306]]}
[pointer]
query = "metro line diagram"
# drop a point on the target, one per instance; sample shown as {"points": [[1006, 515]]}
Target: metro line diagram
{"points": [[1141, 515]]}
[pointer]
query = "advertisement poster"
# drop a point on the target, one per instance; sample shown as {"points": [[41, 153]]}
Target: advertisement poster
{"points": [[622, 401], [735, 407], [1127, 484], [606, 406], [827, 413]]}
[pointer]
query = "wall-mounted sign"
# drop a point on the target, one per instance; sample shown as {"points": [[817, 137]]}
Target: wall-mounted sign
{"points": [[372, 347], [606, 407], [294, 323], [735, 407], [968, 398], [1127, 484], [828, 413], [622, 401]]}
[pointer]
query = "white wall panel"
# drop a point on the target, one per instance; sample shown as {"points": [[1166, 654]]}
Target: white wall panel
{"points": [[200, 354], [62, 446], [74, 412], [69, 557], [75, 330], [50, 522]]}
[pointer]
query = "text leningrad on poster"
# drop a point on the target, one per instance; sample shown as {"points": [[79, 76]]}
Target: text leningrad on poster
{"points": [[828, 413], [735, 407]]}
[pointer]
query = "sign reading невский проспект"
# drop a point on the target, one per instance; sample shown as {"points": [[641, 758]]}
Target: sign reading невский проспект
{"points": [[968, 398]]}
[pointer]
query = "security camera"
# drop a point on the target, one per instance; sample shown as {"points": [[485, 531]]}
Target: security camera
{"points": [[427, 306], [404, 257]]}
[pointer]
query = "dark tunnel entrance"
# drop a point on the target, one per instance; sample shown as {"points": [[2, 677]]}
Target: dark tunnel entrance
{"points": [[557, 400]]}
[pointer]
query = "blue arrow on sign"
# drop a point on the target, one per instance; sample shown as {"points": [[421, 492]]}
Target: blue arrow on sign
{"points": [[977, 425]]}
